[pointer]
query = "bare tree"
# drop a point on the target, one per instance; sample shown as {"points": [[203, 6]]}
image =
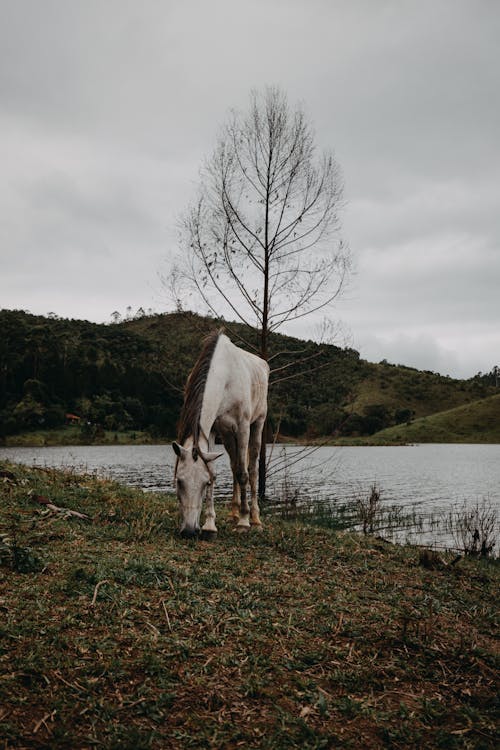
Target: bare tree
{"points": [[261, 242]]}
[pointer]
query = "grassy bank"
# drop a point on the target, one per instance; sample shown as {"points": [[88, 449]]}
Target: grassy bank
{"points": [[478, 422], [72, 435], [117, 634]]}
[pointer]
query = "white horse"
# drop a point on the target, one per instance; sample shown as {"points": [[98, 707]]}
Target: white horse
{"points": [[226, 392]]}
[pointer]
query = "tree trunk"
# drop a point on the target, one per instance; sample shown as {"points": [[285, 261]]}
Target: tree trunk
{"points": [[262, 464], [263, 456], [264, 335]]}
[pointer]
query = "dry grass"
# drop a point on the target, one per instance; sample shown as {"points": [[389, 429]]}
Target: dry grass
{"points": [[117, 634]]}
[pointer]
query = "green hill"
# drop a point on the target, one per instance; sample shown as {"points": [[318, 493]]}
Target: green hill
{"points": [[477, 422], [339, 394], [423, 392], [129, 377]]}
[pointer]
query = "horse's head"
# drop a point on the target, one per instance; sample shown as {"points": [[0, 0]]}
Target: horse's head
{"points": [[193, 477]]}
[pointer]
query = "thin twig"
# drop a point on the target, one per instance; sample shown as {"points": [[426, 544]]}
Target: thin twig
{"points": [[96, 591], [166, 615], [43, 721]]}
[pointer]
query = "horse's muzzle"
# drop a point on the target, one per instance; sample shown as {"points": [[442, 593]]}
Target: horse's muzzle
{"points": [[190, 533]]}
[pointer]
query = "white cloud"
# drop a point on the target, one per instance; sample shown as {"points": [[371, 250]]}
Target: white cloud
{"points": [[108, 109]]}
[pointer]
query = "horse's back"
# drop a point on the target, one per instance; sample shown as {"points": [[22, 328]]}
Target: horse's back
{"points": [[245, 381]]}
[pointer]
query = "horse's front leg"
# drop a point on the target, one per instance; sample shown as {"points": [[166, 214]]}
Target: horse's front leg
{"points": [[209, 529]]}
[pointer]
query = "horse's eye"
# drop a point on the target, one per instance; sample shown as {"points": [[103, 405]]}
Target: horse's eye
{"points": [[180, 484]]}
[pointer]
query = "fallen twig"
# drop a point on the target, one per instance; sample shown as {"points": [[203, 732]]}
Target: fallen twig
{"points": [[96, 591], [43, 721], [166, 615], [42, 500]]}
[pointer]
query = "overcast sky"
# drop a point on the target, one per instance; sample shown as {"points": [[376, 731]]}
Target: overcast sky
{"points": [[108, 108]]}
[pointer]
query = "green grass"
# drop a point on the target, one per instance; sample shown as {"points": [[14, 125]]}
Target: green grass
{"points": [[478, 422], [72, 435], [116, 633], [423, 392]]}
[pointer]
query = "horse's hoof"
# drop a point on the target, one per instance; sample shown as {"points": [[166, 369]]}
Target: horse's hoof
{"points": [[207, 535], [242, 529], [257, 527]]}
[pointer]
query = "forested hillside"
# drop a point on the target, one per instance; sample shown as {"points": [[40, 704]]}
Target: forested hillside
{"points": [[130, 376]]}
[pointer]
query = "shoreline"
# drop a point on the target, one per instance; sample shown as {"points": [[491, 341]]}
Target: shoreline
{"points": [[313, 637], [57, 439]]}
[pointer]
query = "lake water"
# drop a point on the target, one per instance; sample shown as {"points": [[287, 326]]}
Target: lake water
{"points": [[424, 481]]}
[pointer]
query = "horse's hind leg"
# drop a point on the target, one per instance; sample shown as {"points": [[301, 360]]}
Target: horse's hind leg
{"points": [[241, 474], [253, 460], [235, 502]]}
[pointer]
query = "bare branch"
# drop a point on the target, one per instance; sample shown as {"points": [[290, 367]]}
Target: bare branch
{"points": [[304, 372], [296, 362]]}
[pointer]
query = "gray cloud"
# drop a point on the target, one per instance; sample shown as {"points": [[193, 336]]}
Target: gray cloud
{"points": [[108, 109]]}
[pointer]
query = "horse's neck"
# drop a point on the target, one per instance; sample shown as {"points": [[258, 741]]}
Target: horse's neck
{"points": [[214, 389]]}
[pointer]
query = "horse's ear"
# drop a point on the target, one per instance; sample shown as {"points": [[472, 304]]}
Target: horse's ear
{"points": [[207, 457], [177, 449]]}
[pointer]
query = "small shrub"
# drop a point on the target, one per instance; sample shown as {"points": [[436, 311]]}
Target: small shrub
{"points": [[474, 529], [369, 508]]}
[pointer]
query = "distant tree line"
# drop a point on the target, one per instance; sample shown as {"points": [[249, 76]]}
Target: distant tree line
{"points": [[491, 378], [107, 375], [130, 376]]}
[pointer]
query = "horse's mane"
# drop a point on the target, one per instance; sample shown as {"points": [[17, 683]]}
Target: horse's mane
{"points": [[189, 420]]}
